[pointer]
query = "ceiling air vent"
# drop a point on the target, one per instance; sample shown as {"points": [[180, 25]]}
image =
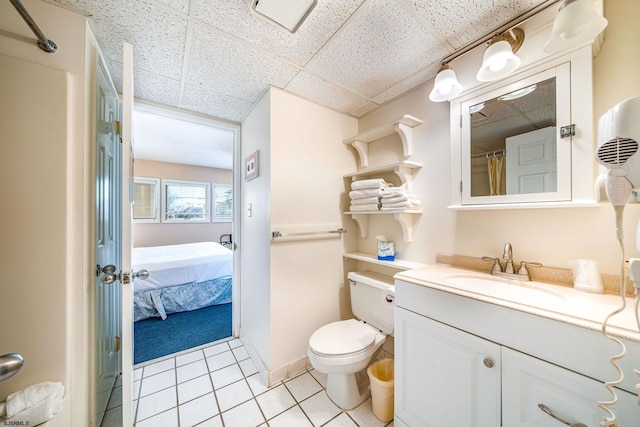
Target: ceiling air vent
{"points": [[285, 13]]}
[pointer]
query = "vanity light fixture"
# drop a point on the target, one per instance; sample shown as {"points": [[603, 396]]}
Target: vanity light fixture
{"points": [[288, 14], [519, 93], [577, 22], [499, 59], [446, 85]]}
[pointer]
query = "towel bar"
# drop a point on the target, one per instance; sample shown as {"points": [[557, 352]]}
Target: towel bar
{"points": [[275, 234]]}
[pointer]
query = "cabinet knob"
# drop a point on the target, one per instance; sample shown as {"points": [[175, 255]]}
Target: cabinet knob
{"points": [[488, 363]]}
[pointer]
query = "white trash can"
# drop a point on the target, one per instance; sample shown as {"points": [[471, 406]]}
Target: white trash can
{"points": [[381, 379]]}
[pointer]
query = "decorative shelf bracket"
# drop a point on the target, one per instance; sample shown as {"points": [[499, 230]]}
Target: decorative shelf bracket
{"points": [[406, 221], [363, 223], [406, 135], [363, 151]]}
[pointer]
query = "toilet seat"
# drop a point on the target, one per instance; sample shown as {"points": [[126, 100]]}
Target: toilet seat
{"points": [[346, 337]]}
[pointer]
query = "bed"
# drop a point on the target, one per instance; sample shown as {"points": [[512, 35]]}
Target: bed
{"points": [[181, 278]]}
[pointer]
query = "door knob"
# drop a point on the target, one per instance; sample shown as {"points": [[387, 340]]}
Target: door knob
{"points": [[110, 275], [10, 364], [142, 274]]}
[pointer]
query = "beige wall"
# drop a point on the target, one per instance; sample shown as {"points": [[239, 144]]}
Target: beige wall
{"points": [[44, 287], [171, 234], [550, 236]]}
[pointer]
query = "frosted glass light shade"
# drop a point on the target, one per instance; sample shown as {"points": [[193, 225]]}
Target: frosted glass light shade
{"points": [[446, 86], [498, 61], [577, 22]]}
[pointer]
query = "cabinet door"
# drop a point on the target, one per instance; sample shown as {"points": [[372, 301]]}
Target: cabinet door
{"points": [[444, 377], [528, 382]]}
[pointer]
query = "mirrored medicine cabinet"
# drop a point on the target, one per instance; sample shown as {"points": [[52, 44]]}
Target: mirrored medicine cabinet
{"points": [[512, 142]]}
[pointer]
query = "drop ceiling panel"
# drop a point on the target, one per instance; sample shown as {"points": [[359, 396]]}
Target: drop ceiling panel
{"points": [[226, 65], [407, 84], [149, 86], [324, 93], [463, 21], [235, 17], [379, 46], [214, 104]]}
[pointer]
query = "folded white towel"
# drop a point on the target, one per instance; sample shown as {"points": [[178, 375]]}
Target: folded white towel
{"points": [[35, 404], [360, 208], [369, 183], [366, 200], [385, 191], [409, 204], [361, 194], [395, 198]]}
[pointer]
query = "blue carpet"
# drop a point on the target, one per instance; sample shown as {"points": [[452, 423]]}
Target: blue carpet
{"points": [[154, 337]]}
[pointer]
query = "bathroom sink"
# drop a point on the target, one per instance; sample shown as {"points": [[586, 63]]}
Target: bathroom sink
{"points": [[522, 292]]}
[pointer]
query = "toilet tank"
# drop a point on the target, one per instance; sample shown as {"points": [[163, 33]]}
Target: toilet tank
{"points": [[372, 299]]}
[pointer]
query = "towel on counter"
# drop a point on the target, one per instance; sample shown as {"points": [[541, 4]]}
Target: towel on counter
{"points": [[367, 207], [369, 183], [35, 404], [365, 201], [363, 194]]}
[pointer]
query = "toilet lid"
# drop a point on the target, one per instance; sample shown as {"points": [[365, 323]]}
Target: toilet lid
{"points": [[343, 337]]}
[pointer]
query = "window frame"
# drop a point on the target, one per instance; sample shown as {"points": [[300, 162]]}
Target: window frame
{"points": [[214, 218], [157, 210], [207, 204]]}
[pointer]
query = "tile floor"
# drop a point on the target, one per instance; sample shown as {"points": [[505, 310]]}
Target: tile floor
{"points": [[218, 385]]}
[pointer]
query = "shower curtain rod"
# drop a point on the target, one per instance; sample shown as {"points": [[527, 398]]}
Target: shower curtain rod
{"points": [[43, 42], [489, 154]]}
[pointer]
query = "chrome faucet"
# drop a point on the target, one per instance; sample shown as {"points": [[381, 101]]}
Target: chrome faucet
{"points": [[509, 271]]}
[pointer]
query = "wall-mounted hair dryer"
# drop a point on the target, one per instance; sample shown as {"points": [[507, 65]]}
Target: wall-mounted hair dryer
{"points": [[617, 154]]}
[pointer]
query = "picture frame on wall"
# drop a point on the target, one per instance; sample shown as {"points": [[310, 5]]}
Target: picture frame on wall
{"points": [[251, 166]]}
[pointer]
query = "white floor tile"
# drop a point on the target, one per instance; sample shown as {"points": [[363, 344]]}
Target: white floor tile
{"points": [[158, 367], [275, 401], [137, 374], [246, 415], [212, 422], [293, 417], [192, 370], [303, 386], [166, 419], [221, 360], [257, 385], [112, 418], [342, 420], [216, 349], [116, 398], [363, 415], [157, 382], [233, 395], [226, 376], [191, 389], [198, 410], [240, 353], [136, 389], [248, 367], [321, 377], [189, 357], [235, 343], [319, 408], [156, 403]]}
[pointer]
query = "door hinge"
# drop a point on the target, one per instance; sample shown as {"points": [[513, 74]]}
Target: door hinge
{"points": [[461, 186], [567, 131], [116, 126], [117, 345], [460, 121]]}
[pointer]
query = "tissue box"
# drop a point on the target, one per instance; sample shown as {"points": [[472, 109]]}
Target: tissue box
{"points": [[386, 251]]}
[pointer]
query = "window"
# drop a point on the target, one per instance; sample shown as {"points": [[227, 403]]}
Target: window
{"points": [[184, 201], [146, 200], [222, 203]]}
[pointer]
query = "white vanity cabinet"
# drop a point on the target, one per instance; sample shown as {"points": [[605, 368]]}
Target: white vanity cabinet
{"points": [[464, 362]]}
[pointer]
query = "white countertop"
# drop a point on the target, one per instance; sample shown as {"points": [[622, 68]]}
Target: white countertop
{"points": [[561, 303]]}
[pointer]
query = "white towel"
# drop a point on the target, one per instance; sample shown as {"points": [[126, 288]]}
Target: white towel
{"points": [[35, 404], [365, 201], [362, 194], [369, 207], [369, 183], [386, 191], [409, 204], [395, 198]]}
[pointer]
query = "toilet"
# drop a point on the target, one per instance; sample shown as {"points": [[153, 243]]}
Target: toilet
{"points": [[344, 349]]}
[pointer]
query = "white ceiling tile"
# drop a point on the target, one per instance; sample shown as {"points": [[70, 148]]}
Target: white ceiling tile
{"points": [[149, 86], [215, 104], [324, 93], [225, 65], [404, 86], [380, 45], [179, 5], [364, 109], [463, 21], [235, 17]]}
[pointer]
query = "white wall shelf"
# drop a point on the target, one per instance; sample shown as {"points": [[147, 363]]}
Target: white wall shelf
{"points": [[405, 170], [402, 126], [373, 259], [406, 218]]}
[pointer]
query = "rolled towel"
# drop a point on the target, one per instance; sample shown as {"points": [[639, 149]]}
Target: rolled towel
{"points": [[362, 194], [366, 200], [369, 183], [35, 404], [360, 208]]}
